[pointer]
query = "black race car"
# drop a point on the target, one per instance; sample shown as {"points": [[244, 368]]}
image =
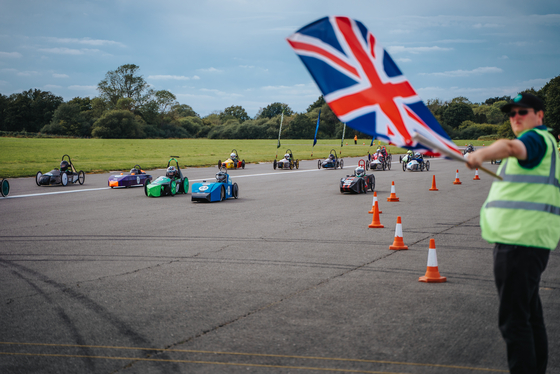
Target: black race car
{"points": [[331, 162], [66, 174], [359, 182]]}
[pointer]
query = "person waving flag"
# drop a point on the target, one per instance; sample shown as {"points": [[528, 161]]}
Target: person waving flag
{"points": [[364, 87]]}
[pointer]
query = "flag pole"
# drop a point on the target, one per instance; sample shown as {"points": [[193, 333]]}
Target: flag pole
{"points": [[316, 130], [279, 132], [454, 156], [342, 141]]}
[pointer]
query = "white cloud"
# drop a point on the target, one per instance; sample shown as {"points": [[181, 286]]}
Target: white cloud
{"points": [[195, 77], [26, 73], [51, 86], [10, 54], [82, 88], [466, 73], [211, 70], [416, 50], [170, 77], [504, 57], [86, 41], [486, 25], [68, 51], [247, 66], [60, 75], [403, 60]]}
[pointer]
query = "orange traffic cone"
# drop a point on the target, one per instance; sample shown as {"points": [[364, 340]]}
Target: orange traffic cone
{"points": [[393, 196], [476, 177], [375, 222], [457, 181], [398, 243], [373, 203], [432, 272], [433, 188]]}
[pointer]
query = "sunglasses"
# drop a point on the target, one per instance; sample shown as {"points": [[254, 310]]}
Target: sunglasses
{"points": [[522, 112]]}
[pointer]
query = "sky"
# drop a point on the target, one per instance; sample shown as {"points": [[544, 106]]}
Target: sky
{"points": [[212, 54]]}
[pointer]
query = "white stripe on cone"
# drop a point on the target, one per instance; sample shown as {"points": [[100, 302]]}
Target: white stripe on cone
{"points": [[398, 230], [432, 257]]}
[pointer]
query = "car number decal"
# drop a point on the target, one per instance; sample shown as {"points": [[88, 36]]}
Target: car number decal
{"points": [[203, 188]]}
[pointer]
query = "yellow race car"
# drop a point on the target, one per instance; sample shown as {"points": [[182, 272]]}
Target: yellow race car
{"points": [[233, 162]]}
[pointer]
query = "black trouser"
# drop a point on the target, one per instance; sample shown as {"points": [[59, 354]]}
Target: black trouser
{"points": [[517, 271]]}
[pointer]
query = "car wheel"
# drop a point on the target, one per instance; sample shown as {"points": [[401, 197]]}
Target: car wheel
{"points": [[243, 164], [64, 179], [81, 177], [364, 186], [389, 164], [297, 164], [185, 185], [275, 164], [383, 166], [341, 163], [427, 165], [146, 182], [4, 188], [404, 166], [222, 194], [235, 191], [319, 164], [372, 182], [38, 178]]}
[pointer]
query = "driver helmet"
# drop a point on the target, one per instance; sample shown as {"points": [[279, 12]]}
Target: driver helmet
{"points": [[232, 155], [134, 171], [331, 156], [64, 165], [221, 176], [417, 154], [287, 156], [360, 171], [409, 152], [171, 172]]}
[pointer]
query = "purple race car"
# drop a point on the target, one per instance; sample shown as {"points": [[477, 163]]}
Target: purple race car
{"points": [[136, 177]]}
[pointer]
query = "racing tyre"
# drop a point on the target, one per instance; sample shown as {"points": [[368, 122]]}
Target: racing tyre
{"points": [[297, 164], [222, 194], [400, 159], [235, 191], [275, 164], [38, 178], [389, 164], [81, 177], [318, 165], [364, 187], [372, 183], [383, 166], [404, 166], [243, 164], [336, 164], [291, 165], [64, 179], [4, 188], [341, 164], [146, 182], [427, 165], [367, 165]]}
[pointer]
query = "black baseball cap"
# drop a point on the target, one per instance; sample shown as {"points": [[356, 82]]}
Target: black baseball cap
{"points": [[524, 100]]}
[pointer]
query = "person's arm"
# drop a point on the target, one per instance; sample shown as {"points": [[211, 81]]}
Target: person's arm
{"points": [[502, 148]]}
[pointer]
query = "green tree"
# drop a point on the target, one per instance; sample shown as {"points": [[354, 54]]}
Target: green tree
{"points": [[183, 110], [301, 127], [235, 111], [123, 82], [83, 102], [68, 119], [317, 104], [118, 124], [456, 113], [4, 103], [30, 110], [274, 110], [551, 92], [165, 100], [497, 98]]}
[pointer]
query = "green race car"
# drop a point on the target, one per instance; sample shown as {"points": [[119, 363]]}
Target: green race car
{"points": [[171, 184]]}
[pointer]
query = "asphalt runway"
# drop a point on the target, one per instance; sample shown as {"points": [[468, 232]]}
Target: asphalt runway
{"points": [[286, 279]]}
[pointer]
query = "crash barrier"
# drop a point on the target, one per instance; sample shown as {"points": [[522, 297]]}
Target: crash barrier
{"points": [[393, 196], [398, 243], [373, 203], [375, 222], [4, 187], [432, 272], [476, 177], [457, 181], [433, 188]]}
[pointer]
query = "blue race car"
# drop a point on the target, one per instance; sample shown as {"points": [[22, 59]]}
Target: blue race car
{"points": [[220, 190], [331, 162]]}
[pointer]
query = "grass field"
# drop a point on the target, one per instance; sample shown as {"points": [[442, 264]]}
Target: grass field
{"points": [[24, 157]]}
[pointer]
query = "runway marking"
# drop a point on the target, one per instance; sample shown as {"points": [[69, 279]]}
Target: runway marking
{"points": [[56, 193], [236, 354]]}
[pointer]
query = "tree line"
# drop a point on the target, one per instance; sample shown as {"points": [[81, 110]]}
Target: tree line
{"points": [[128, 108]]}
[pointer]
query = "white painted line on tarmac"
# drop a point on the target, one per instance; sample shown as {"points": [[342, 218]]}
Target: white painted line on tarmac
{"points": [[56, 193]]}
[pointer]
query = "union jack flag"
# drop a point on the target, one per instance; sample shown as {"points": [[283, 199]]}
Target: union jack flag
{"points": [[363, 85]]}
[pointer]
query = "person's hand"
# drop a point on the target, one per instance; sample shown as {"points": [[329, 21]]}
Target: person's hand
{"points": [[473, 160]]}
